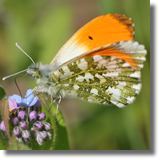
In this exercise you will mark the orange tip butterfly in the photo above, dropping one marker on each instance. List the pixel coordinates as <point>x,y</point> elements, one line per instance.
<point>100,63</point>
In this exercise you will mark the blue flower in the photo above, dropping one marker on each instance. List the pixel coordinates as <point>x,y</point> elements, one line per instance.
<point>28,101</point>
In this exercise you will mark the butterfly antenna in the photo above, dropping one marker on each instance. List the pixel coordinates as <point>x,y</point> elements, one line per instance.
<point>25,53</point>
<point>4,78</point>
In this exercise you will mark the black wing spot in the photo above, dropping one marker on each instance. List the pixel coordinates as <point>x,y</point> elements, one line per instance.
<point>90,37</point>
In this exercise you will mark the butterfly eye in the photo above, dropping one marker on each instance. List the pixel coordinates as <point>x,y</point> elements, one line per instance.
<point>36,74</point>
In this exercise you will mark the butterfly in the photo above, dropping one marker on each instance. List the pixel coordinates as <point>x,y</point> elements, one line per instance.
<point>100,63</point>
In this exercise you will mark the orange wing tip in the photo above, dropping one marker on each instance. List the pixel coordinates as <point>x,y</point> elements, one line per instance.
<point>103,30</point>
<point>125,21</point>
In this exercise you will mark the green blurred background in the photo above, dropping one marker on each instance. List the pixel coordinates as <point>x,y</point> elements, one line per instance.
<point>41,27</point>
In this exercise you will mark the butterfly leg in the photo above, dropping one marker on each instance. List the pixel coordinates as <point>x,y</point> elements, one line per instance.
<point>52,102</point>
<point>58,105</point>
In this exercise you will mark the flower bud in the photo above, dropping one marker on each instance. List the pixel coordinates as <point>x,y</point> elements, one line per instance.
<point>47,126</point>
<point>17,131</point>
<point>26,135</point>
<point>39,139</point>
<point>41,116</point>
<point>22,115</point>
<point>19,139</point>
<point>33,116</point>
<point>49,135</point>
<point>23,124</point>
<point>43,134</point>
<point>2,126</point>
<point>15,121</point>
<point>38,125</point>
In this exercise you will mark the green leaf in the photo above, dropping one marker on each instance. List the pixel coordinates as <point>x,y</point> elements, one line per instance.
<point>4,108</point>
<point>52,108</point>
<point>2,93</point>
<point>60,119</point>
<point>62,142</point>
<point>15,145</point>
<point>60,137</point>
<point>3,139</point>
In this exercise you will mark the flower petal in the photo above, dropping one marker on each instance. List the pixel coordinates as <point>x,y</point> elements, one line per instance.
<point>27,101</point>
<point>35,102</point>
<point>12,105</point>
<point>23,104</point>
<point>18,98</point>
<point>29,97</point>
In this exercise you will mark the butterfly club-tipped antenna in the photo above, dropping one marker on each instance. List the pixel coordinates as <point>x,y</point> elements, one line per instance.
<point>25,53</point>
<point>4,78</point>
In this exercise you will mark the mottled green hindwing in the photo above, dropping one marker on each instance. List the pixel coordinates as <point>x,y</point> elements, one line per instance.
<point>103,79</point>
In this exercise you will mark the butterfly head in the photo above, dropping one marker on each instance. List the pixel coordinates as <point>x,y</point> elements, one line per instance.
<point>39,71</point>
<point>33,71</point>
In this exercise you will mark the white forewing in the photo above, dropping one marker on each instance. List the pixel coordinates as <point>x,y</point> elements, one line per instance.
<point>69,51</point>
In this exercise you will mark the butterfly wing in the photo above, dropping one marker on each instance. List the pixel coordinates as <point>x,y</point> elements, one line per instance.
<point>106,75</point>
<point>103,30</point>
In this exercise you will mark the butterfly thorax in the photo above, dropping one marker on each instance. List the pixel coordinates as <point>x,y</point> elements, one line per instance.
<point>45,80</point>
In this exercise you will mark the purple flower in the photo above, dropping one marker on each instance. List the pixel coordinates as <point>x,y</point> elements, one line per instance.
<point>19,139</point>
<point>43,134</point>
<point>47,126</point>
<point>28,101</point>
<point>17,131</point>
<point>22,115</point>
<point>38,125</point>
<point>27,123</point>
<point>33,116</point>
<point>41,116</point>
<point>14,120</point>
<point>23,124</point>
<point>26,135</point>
